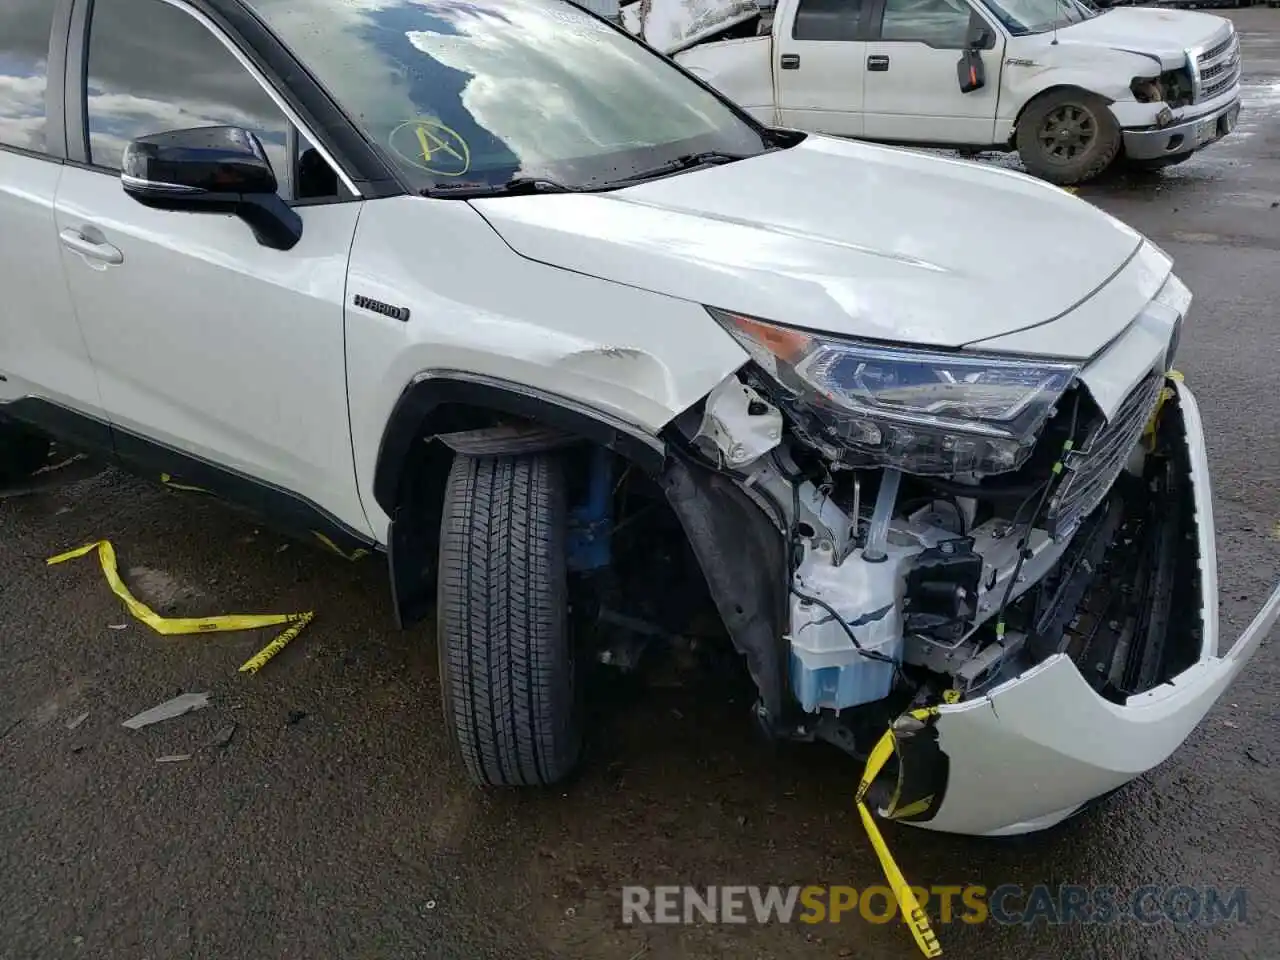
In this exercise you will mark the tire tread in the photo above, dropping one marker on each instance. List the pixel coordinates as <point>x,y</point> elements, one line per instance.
<point>506,663</point>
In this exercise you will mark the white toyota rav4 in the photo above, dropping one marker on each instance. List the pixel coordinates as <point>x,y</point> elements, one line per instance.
<point>492,286</point>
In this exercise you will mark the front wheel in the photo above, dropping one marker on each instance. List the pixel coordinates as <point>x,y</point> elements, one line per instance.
<point>506,661</point>
<point>1067,137</point>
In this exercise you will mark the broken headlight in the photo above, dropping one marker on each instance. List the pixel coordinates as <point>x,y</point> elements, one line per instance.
<point>922,411</point>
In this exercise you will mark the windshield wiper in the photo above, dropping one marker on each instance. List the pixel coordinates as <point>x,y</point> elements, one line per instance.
<point>684,162</point>
<point>516,186</point>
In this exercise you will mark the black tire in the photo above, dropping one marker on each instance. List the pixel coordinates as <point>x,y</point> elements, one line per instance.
<point>506,659</point>
<point>22,453</point>
<point>1067,137</point>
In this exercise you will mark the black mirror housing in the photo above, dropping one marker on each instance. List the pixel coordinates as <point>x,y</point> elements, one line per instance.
<point>970,71</point>
<point>211,170</point>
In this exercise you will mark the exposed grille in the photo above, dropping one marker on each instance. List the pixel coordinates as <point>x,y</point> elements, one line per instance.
<point>1218,49</point>
<point>1091,470</point>
<point>1219,67</point>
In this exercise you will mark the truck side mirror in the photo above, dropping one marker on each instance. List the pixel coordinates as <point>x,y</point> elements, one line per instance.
<point>970,70</point>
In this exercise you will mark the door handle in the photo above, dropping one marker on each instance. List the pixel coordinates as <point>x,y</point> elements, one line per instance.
<point>791,61</point>
<point>877,64</point>
<point>90,247</point>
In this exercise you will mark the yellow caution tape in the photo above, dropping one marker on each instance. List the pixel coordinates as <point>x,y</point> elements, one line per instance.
<point>912,913</point>
<point>168,481</point>
<point>171,626</point>
<point>259,659</point>
<point>358,554</point>
<point>1166,394</point>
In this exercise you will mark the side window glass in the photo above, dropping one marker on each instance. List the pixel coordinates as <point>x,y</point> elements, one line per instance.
<point>25,26</point>
<point>154,68</point>
<point>827,20</point>
<point>940,23</point>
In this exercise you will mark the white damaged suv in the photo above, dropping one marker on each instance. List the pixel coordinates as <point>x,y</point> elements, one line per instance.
<point>492,287</point>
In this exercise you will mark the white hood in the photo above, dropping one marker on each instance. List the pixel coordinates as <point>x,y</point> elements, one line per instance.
<point>1166,34</point>
<point>846,237</point>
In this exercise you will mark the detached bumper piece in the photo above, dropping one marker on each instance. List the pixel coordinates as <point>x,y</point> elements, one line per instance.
<point>1107,701</point>
<point>1104,704</point>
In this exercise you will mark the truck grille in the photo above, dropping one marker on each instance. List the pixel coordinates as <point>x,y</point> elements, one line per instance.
<point>1219,67</point>
<point>1092,470</point>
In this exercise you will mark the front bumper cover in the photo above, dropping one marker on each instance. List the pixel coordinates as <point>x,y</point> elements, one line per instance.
<point>1039,747</point>
<point>1182,138</point>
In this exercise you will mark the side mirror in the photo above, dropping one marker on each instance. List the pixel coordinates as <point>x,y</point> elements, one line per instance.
<point>970,70</point>
<point>211,170</point>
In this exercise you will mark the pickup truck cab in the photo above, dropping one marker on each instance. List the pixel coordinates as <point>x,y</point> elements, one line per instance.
<point>1071,88</point>
<point>493,289</point>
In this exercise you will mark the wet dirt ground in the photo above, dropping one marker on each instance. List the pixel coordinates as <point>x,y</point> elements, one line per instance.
<point>336,822</point>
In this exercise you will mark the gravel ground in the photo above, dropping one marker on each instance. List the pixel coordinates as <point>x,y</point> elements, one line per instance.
<point>336,822</point>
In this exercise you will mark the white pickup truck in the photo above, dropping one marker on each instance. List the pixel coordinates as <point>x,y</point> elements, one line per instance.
<point>1071,88</point>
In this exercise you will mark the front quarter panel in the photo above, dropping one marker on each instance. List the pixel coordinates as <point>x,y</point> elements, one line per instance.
<point>478,308</point>
<point>1034,65</point>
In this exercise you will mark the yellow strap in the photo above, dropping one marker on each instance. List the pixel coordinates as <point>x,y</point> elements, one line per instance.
<point>259,659</point>
<point>912,913</point>
<point>358,554</point>
<point>172,626</point>
<point>169,482</point>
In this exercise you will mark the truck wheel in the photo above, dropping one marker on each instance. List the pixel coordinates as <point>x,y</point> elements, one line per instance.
<point>506,661</point>
<point>1067,136</point>
<point>22,453</point>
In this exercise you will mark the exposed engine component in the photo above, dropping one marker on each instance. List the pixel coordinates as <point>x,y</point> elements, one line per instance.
<point>738,423</point>
<point>893,572</point>
<point>1173,87</point>
<point>942,590</point>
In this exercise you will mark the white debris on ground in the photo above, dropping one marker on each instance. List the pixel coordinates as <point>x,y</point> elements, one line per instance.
<point>674,25</point>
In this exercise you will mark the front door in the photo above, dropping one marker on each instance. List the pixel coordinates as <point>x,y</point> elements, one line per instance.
<point>818,67</point>
<point>911,92</point>
<point>206,343</point>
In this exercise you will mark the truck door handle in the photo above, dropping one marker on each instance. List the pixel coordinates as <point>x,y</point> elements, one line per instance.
<point>877,64</point>
<point>791,61</point>
<point>91,247</point>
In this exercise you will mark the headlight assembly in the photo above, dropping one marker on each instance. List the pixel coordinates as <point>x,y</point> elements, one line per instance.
<point>922,411</point>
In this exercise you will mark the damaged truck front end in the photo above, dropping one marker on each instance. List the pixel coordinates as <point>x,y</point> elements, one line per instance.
<point>1022,545</point>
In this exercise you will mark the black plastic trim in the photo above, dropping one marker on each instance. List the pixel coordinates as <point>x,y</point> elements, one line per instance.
<point>507,440</point>
<point>29,154</point>
<point>80,430</point>
<point>282,509</point>
<point>924,770</point>
<point>411,422</point>
<point>76,74</point>
<point>56,71</point>
<point>743,557</point>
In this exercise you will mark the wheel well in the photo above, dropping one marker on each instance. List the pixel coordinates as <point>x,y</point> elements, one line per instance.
<point>1049,91</point>
<point>739,554</point>
<point>413,468</point>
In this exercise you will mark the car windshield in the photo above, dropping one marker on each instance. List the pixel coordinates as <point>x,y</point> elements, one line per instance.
<point>1021,17</point>
<point>471,94</point>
